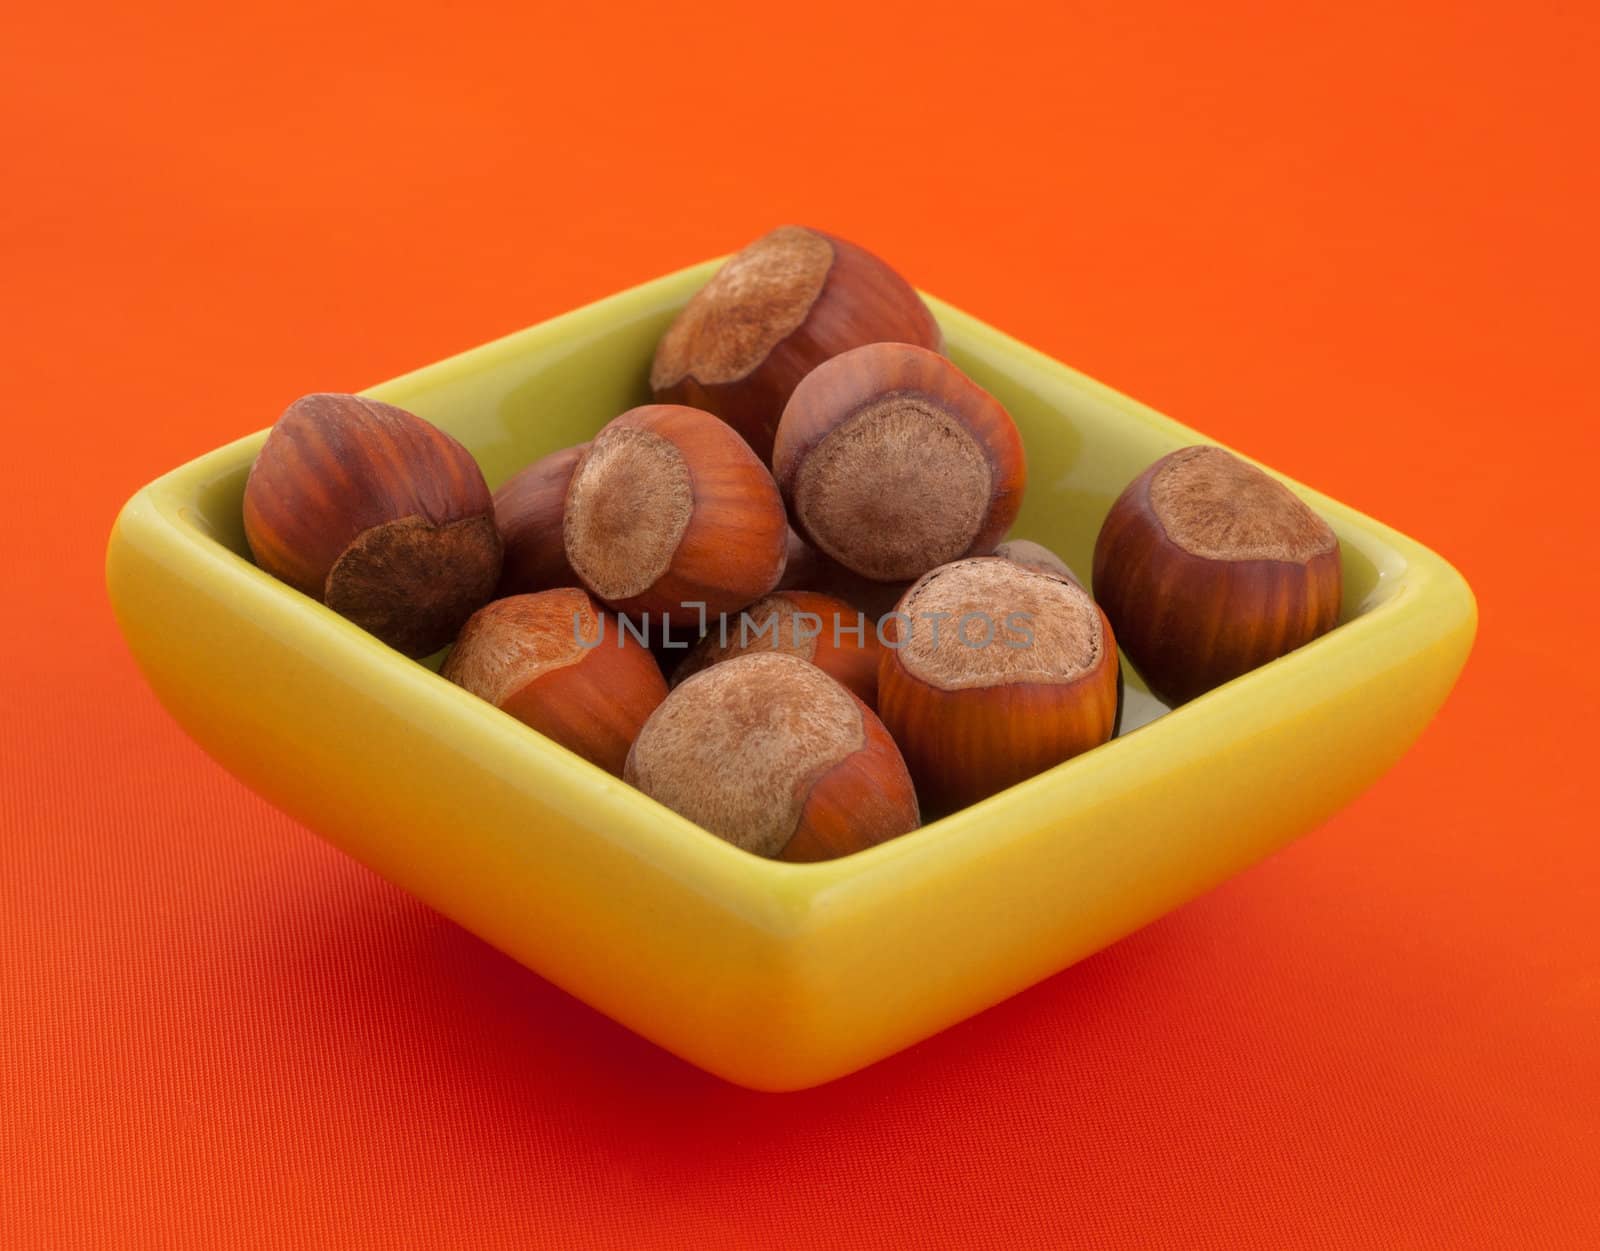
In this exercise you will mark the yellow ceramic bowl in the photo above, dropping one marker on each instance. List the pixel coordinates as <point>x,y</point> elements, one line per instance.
<point>776,976</point>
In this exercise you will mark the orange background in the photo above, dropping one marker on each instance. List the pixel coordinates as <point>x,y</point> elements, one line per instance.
<point>1359,245</point>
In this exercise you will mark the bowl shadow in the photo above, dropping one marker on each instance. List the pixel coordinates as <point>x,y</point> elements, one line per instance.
<point>441,1018</point>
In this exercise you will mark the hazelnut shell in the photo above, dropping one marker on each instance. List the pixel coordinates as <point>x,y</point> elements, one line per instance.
<point>893,462</point>
<point>971,720</point>
<point>668,508</point>
<point>528,508</point>
<point>557,662</point>
<point>1212,571</point>
<point>774,312</point>
<point>376,513</point>
<point>771,754</point>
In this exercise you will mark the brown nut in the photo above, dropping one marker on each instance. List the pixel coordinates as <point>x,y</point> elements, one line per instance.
<point>994,672</point>
<point>771,754</point>
<point>528,509</point>
<point>669,509</point>
<point>1209,568</point>
<point>556,663</point>
<point>771,314</point>
<point>378,514</point>
<point>832,635</point>
<point>894,462</point>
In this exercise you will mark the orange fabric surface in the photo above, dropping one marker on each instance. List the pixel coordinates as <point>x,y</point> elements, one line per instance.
<point>1359,244</point>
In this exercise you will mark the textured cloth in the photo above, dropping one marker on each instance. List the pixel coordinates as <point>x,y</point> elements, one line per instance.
<point>1359,247</point>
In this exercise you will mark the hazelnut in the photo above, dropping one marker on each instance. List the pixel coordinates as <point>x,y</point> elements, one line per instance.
<point>994,672</point>
<point>771,314</point>
<point>1208,567</point>
<point>380,515</point>
<point>828,632</point>
<point>771,754</point>
<point>554,662</point>
<point>668,508</point>
<point>894,462</point>
<point>528,508</point>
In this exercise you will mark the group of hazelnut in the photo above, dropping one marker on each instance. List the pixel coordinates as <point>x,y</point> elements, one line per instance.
<point>805,531</point>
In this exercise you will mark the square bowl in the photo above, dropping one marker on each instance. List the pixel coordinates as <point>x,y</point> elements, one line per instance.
<point>774,976</point>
